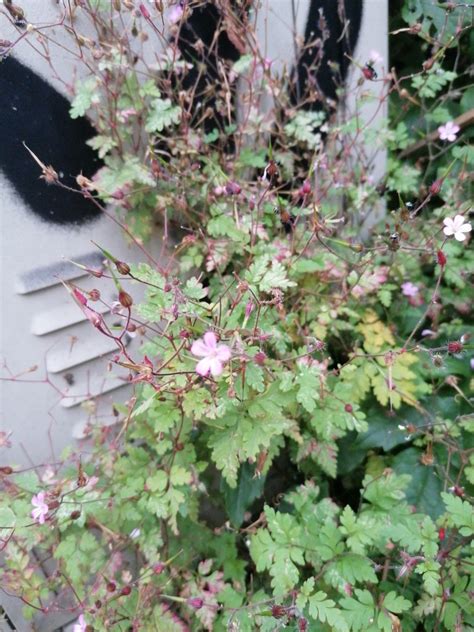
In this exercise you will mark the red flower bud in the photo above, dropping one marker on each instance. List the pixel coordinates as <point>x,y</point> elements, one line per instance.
<point>122,267</point>
<point>195,602</point>
<point>126,590</point>
<point>302,624</point>
<point>53,505</point>
<point>441,533</point>
<point>94,295</point>
<point>75,515</point>
<point>260,358</point>
<point>278,611</point>
<point>232,188</point>
<point>125,299</point>
<point>441,257</point>
<point>158,568</point>
<point>306,188</point>
<point>111,586</point>
<point>6,470</point>
<point>348,408</point>
<point>144,11</point>
<point>435,187</point>
<point>455,347</point>
<point>79,296</point>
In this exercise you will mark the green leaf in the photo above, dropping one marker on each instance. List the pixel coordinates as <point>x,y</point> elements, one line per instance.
<point>323,609</point>
<point>163,114</point>
<point>396,603</point>
<point>460,513</point>
<point>354,568</point>
<point>359,530</point>
<point>239,499</point>
<point>425,486</point>
<point>309,385</point>
<point>86,95</point>
<point>360,611</point>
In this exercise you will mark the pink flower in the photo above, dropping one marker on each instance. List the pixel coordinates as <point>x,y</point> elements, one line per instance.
<point>409,289</point>
<point>457,227</point>
<point>4,440</point>
<point>40,508</point>
<point>80,625</point>
<point>176,13</point>
<point>375,57</point>
<point>213,355</point>
<point>448,131</point>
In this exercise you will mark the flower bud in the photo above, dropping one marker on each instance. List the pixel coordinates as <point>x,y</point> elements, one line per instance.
<point>125,299</point>
<point>195,602</point>
<point>348,408</point>
<point>158,568</point>
<point>249,309</point>
<point>75,515</point>
<point>441,533</point>
<point>79,296</point>
<point>122,267</point>
<point>306,188</point>
<point>441,257</point>
<point>126,590</point>
<point>278,611</point>
<point>232,188</point>
<point>6,470</point>
<point>435,187</point>
<point>455,347</point>
<point>144,11</point>
<point>111,587</point>
<point>94,295</point>
<point>260,358</point>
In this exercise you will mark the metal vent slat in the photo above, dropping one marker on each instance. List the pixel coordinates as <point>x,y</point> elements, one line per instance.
<point>47,276</point>
<point>60,317</point>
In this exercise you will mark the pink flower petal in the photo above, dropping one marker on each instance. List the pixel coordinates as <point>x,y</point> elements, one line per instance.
<point>223,353</point>
<point>216,366</point>
<point>203,366</point>
<point>199,348</point>
<point>210,340</point>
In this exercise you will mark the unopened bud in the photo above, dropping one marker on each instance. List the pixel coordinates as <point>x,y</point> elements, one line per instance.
<point>435,187</point>
<point>455,347</point>
<point>122,267</point>
<point>94,295</point>
<point>232,188</point>
<point>126,590</point>
<point>144,11</point>
<point>79,296</point>
<point>306,188</point>
<point>260,358</point>
<point>441,257</point>
<point>249,309</point>
<point>125,299</point>
<point>75,514</point>
<point>158,568</point>
<point>195,602</point>
<point>6,470</point>
<point>111,587</point>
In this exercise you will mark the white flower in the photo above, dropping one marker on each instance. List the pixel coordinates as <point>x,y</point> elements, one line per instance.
<point>80,625</point>
<point>448,131</point>
<point>456,227</point>
<point>213,355</point>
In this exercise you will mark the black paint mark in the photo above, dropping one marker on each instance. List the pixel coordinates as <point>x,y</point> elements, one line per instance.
<point>204,43</point>
<point>34,112</point>
<point>332,31</point>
